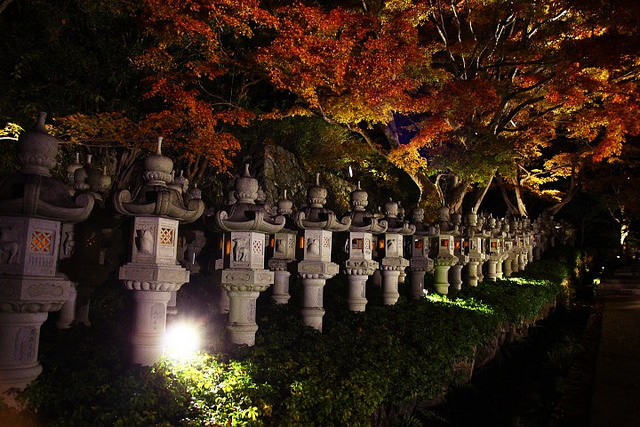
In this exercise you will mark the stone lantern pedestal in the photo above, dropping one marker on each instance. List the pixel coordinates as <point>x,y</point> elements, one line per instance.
<point>318,224</point>
<point>314,276</point>
<point>393,264</point>
<point>418,268</point>
<point>494,258</point>
<point>280,290</point>
<point>32,206</point>
<point>247,225</point>
<point>153,274</point>
<point>360,245</point>
<point>359,267</point>
<point>455,272</point>
<point>444,247</point>
<point>25,304</point>
<point>475,258</point>
<point>509,257</point>
<point>358,273</point>
<point>243,288</point>
<point>419,263</point>
<point>284,253</point>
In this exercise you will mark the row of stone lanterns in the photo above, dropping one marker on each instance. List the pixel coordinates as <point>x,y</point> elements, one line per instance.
<point>38,213</point>
<point>476,244</point>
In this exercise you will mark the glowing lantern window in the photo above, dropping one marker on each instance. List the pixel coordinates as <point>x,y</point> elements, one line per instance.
<point>41,241</point>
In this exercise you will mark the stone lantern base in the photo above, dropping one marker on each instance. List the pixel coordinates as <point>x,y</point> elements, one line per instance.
<point>492,269</point>
<point>19,339</point>
<point>358,272</point>
<point>391,269</point>
<point>455,276</point>
<point>280,290</point>
<point>472,273</point>
<point>243,289</point>
<point>442,264</point>
<point>314,275</point>
<point>152,285</point>
<point>25,302</point>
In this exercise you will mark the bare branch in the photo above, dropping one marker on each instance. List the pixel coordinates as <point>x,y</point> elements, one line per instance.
<point>4,4</point>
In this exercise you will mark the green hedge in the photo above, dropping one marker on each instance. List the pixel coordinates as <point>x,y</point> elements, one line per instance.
<point>364,368</point>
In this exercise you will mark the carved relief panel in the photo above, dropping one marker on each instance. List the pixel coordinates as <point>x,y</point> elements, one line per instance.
<point>317,245</point>
<point>247,250</point>
<point>393,245</point>
<point>29,246</point>
<point>155,240</point>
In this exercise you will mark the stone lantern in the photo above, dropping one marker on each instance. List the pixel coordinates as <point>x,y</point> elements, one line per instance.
<point>246,226</point>
<point>283,247</point>
<point>420,263</point>
<point>508,260</point>
<point>476,255</point>
<point>494,256</point>
<point>154,272</point>
<point>89,248</point>
<point>444,246</point>
<point>360,246</point>
<point>393,263</point>
<point>318,224</point>
<point>461,251</point>
<point>33,205</point>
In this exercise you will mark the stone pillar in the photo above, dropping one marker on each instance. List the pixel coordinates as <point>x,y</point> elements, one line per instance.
<point>393,264</point>
<point>152,275</point>
<point>150,321</point>
<point>455,276</point>
<point>476,257</point>
<point>315,270</point>
<point>419,264</point>
<point>441,276</point>
<point>313,301</point>
<point>19,339</point>
<point>444,246</point>
<point>390,277</point>
<point>280,289</point>
<point>360,246</point>
<point>243,289</point>
<point>492,269</point>
<point>318,224</point>
<point>67,313</point>
<point>515,262</point>
<point>480,273</point>
<point>357,299</point>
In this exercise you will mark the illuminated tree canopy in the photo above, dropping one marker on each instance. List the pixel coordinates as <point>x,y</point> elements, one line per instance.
<point>520,94</point>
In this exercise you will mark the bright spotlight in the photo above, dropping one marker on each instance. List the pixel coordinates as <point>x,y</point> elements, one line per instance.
<point>181,341</point>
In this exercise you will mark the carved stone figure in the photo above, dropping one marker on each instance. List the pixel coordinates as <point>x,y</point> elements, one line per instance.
<point>240,249</point>
<point>9,247</point>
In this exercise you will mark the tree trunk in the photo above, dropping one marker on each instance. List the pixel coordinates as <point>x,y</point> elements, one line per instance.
<point>574,185</point>
<point>522,209</point>
<point>511,207</point>
<point>480,198</point>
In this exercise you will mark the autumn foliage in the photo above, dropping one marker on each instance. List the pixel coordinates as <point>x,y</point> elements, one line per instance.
<point>455,91</point>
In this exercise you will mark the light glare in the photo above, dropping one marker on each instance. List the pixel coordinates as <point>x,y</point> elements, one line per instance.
<point>182,341</point>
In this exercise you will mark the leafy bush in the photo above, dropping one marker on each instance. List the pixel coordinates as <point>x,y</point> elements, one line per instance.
<point>379,363</point>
